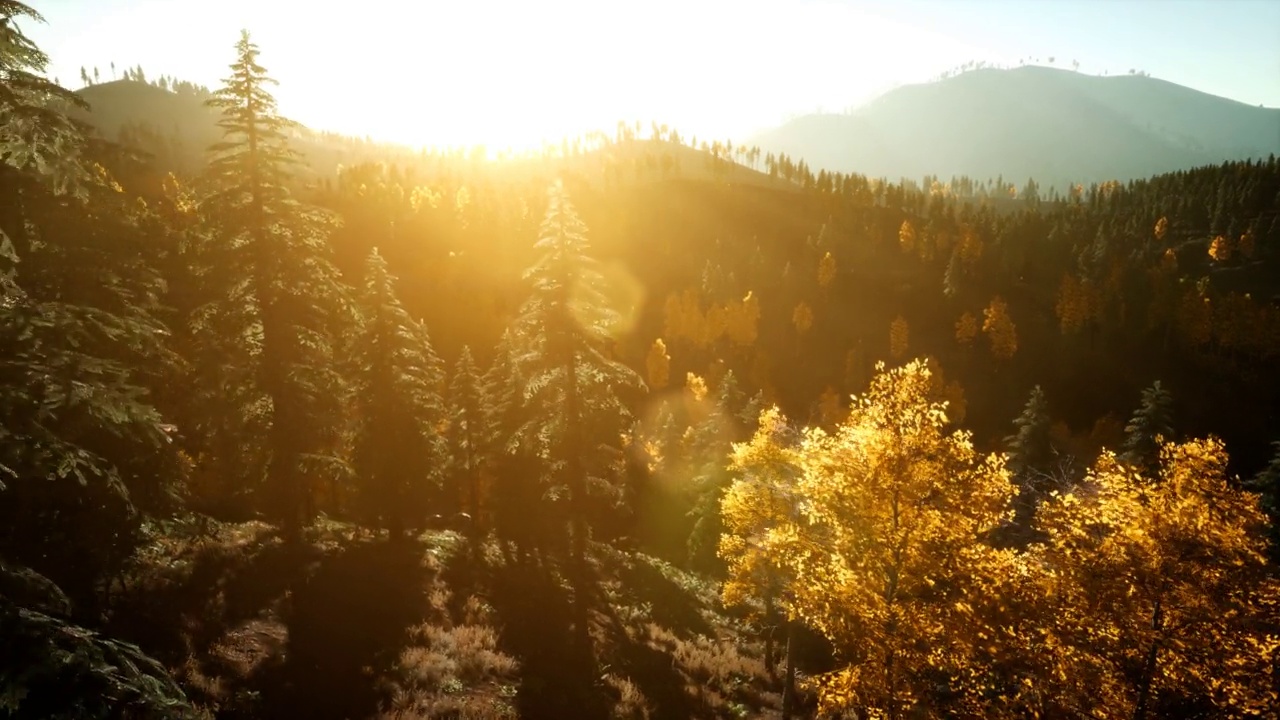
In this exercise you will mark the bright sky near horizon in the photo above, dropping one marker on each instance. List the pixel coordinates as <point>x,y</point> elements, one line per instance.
<point>515,72</point>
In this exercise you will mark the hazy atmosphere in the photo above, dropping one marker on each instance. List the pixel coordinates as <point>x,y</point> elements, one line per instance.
<point>436,72</point>
<point>640,361</point>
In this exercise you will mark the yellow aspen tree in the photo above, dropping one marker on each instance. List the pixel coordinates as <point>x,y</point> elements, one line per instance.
<point>1162,587</point>
<point>1220,249</point>
<point>717,323</point>
<point>1073,305</point>
<point>760,500</point>
<point>899,337</point>
<point>658,363</point>
<point>802,318</point>
<point>696,387</point>
<point>907,237</point>
<point>887,557</point>
<point>966,329</point>
<point>970,247</point>
<point>1000,329</point>
<point>826,271</point>
<point>1162,228</point>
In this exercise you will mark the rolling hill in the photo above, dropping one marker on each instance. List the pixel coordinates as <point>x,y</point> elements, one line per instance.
<point>1055,126</point>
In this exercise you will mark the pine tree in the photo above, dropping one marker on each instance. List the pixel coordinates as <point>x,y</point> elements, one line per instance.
<point>78,304</point>
<point>274,296</point>
<point>1267,484</point>
<point>709,443</point>
<point>1150,426</point>
<point>575,412</point>
<point>397,449</point>
<point>1030,448</point>
<point>466,434</point>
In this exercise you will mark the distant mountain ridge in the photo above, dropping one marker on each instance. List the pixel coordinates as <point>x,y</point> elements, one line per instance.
<point>1056,126</point>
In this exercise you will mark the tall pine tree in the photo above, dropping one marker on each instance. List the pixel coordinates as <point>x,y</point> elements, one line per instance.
<point>274,297</point>
<point>397,446</point>
<point>576,415</point>
<point>1150,427</point>
<point>466,435</point>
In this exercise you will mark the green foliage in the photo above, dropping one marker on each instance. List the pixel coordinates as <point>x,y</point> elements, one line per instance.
<point>1150,427</point>
<point>273,301</point>
<point>398,450</point>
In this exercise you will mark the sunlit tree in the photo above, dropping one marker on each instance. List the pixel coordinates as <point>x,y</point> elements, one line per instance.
<point>826,271</point>
<point>658,365</point>
<point>907,237</point>
<point>887,556</point>
<point>1150,427</point>
<point>899,337</point>
<point>466,440</point>
<point>1161,591</point>
<point>574,391</point>
<point>271,285</point>
<point>1000,329</point>
<point>802,318</point>
<point>966,329</point>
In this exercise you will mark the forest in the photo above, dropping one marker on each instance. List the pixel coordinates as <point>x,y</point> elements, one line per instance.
<point>633,427</point>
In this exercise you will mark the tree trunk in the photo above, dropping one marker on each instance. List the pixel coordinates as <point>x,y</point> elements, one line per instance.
<point>789,680</point>
<point>770,622</point>
<point>1149,666</point>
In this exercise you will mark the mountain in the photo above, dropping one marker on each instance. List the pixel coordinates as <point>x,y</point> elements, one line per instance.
<point>1056,126</point>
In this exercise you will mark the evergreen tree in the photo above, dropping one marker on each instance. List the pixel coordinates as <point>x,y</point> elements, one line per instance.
<point>466,434</point>
<point>1151,422</point>
<point>509,470</point>
<point>1267,484</point>
<point>397,378</point>
<point>575,413</point>
<point>274,296</point>
<point>1030,447</point>
<point>712,442</point>
<point>77,307</point>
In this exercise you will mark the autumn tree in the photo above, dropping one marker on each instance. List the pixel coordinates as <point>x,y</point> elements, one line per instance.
<point>966,329</point>
<point>1161,588</point>
<point>887,553</point>
<point>573,390</point>
<point>658,365</point>
<point>899,335</point>
<point>802,318</point>
<point>1000,329</point>
<point>760,502</point>
<point>826,271</point>
<point>273,293</point>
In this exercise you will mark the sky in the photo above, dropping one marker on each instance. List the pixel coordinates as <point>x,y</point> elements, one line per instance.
<point>512,73</point>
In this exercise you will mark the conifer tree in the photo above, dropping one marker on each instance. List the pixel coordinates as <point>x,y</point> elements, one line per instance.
<point>274,300</point>
<point>1152,421</point>
<point>712,440</point>
<point>1267,484</point>
<point>397,378</point>
<point>78,306</point>
<point>576,414</point>
<point>1030,448</point>
<point>466,433</point>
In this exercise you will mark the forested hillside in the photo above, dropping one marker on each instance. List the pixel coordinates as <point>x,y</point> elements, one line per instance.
<point>625,429</point>
<point>1055,126</point>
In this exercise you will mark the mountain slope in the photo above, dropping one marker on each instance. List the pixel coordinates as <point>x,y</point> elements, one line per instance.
<point>1053,125</point>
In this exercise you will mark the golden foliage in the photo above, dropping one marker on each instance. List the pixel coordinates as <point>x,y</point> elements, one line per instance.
<point>907,236</point>
<point>696,386</point>
<point>1195,314</point>
<point>658,363</point>
<point>758,502</point>
<point>1162,228</point>
<point>826,271</point>
<point>899,336</point>
<point>1220,249</point>
<point>1000,329</point>
<point>802,317</point>
<point>1076,304</point>
<point>970,246</point>
<point>884,559</point>
<point>966,329</point>
<point>1160,585</point>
